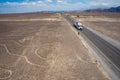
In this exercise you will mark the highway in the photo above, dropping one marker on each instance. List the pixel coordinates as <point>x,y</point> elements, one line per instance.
<point>110,51</point>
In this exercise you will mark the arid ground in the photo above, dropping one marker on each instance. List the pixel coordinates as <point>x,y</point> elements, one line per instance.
<point>39,46</point>
<point>104,22</point>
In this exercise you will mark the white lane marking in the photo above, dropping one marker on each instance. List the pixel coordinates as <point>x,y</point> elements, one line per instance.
<point>36,52</point>
<point>10,73</point>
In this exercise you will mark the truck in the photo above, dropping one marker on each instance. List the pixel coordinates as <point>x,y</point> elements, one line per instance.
<point>78,25</point>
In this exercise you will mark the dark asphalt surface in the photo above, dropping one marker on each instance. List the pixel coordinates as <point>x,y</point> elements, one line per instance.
<point>110,51</point>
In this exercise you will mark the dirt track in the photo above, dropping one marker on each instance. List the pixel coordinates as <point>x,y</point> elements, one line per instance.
<point>43,50</point>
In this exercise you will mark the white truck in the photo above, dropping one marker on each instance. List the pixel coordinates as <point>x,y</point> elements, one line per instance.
<point>78,25</point>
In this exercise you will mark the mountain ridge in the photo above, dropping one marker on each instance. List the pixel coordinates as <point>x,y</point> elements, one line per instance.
<point>112,9</point>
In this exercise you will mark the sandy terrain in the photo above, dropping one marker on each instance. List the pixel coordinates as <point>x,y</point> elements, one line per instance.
<point>43,50</point>
<point>106,23</point>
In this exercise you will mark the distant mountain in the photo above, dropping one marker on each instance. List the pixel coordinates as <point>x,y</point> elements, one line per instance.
<point>113,9</point>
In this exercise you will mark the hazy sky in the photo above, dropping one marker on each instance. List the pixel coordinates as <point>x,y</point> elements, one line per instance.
<point>13,6</point>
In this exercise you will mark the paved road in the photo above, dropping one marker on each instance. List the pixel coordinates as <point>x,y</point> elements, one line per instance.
<point>110,51</point>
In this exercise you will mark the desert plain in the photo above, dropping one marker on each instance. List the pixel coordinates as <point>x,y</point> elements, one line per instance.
<point>42,46</point>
